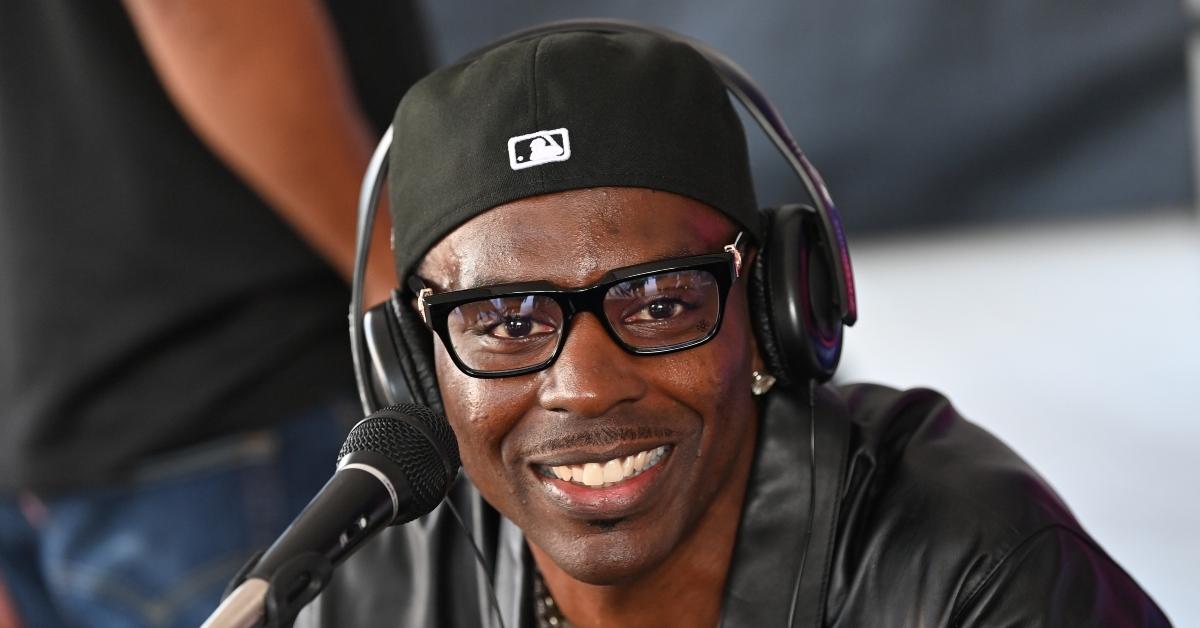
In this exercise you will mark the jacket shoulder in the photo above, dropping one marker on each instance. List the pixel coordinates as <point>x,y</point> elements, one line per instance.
<point>936,511</point>
<point>912,452</point>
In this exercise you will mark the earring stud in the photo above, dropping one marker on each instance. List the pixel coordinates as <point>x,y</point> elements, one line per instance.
<point>761,383</point>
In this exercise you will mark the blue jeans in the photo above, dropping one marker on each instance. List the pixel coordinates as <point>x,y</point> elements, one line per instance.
<point>158,550</point>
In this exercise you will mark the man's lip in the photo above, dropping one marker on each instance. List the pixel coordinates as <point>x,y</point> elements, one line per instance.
<point>609,502</point>
<point>582,456</point>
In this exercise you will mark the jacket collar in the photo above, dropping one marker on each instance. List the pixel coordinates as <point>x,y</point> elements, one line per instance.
<point>781,558</point>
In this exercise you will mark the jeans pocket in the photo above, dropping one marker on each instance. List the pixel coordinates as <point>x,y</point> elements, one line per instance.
<point>159,551</point>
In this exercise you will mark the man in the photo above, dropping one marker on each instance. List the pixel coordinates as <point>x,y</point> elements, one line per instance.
<point>176,190</point>
<point>626,460</point>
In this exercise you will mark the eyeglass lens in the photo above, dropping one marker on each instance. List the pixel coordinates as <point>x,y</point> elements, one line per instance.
<point>647,313</point>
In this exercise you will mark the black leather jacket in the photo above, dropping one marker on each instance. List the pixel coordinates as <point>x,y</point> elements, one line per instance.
<point>921,518</point>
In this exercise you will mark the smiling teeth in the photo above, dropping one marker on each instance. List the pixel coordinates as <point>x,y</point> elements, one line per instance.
<point>607,473</point>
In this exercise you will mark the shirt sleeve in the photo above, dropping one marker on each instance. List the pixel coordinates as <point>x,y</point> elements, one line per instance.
<point>1058,577</point>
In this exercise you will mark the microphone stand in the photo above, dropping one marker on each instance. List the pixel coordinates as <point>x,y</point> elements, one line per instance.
<point>275,603</point>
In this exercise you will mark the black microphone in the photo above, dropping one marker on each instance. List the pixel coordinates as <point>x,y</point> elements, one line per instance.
<point>396,465</point>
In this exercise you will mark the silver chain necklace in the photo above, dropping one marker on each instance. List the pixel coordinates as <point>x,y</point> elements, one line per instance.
<point>549,615</point>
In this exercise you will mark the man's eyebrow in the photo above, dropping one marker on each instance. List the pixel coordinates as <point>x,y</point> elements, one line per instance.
<point>683,251</point>
<point>478,281</point>
<point>487,278</point>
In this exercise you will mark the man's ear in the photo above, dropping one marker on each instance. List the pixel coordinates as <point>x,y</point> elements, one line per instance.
<point>748,263</point>
<point>757,363</point>
<point>766,359</point>
<point>756,360</point>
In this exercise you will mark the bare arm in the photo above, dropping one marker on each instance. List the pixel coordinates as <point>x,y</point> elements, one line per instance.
<point>264,84</point>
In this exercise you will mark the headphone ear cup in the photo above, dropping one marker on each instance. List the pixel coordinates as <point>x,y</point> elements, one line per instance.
<point>799,317</point>
<point>401,358</point>
<point>416,345</point>
<point>387,384</point>
<point>760,317</point>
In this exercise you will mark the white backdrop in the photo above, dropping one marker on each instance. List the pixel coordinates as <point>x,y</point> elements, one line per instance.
<point>1079,346</point>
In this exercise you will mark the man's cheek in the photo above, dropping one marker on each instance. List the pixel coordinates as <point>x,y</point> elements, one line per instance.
<point>480,451</point>
<point>468,417</point>
<point>716,369</point>
<point>465,398</point>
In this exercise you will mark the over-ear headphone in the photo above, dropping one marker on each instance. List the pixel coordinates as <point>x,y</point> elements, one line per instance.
<point>801,287</point>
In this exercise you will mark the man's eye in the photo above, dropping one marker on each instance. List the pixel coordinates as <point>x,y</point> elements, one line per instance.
<point>518,327</point>
<point>658,310</point>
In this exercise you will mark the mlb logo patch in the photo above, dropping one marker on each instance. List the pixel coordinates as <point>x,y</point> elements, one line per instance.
<point>535,149</point>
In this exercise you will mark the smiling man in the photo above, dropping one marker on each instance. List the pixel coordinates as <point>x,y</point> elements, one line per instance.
<point>618,467</point>
<point>576,230</point>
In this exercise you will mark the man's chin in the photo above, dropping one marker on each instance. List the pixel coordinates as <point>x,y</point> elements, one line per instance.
<point>607,557</point>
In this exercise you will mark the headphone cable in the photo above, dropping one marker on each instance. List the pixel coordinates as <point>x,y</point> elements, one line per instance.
<point>482,562</point>
<point>812,495</point>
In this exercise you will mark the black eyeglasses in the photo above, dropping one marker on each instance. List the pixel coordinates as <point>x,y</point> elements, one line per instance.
<point>653,308</point>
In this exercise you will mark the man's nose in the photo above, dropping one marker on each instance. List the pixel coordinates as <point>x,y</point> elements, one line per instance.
<point>592,375</point>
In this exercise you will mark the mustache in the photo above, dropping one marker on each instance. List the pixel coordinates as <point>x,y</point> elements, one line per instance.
<point>599,438</point>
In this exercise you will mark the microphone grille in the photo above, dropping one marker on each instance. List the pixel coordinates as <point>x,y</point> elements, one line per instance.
<point>418,441</point>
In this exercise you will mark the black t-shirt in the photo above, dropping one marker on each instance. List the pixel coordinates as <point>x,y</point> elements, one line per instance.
<point>148,298</point>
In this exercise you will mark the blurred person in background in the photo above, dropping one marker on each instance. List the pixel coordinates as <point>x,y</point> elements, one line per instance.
<point>177,184</point>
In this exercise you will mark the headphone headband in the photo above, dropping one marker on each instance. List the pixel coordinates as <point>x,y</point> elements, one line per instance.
<point>368,204</point>
<point>736,81</point>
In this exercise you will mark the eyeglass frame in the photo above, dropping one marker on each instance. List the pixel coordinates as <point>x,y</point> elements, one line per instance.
<point>435,308</point>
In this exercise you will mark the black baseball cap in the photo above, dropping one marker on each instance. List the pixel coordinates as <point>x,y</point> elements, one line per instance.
<point>558,112</point>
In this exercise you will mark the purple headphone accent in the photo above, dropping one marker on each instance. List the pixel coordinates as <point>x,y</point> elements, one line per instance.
<point>825,347</point>
<point>755,101</point>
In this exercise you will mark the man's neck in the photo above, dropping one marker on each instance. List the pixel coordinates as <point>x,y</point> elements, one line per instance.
<point>686,589</point>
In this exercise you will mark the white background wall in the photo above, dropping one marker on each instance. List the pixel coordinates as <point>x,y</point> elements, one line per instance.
<point>1078,345</point>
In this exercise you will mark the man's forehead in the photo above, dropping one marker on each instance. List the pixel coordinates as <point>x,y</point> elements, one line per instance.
<point>572,238</point>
